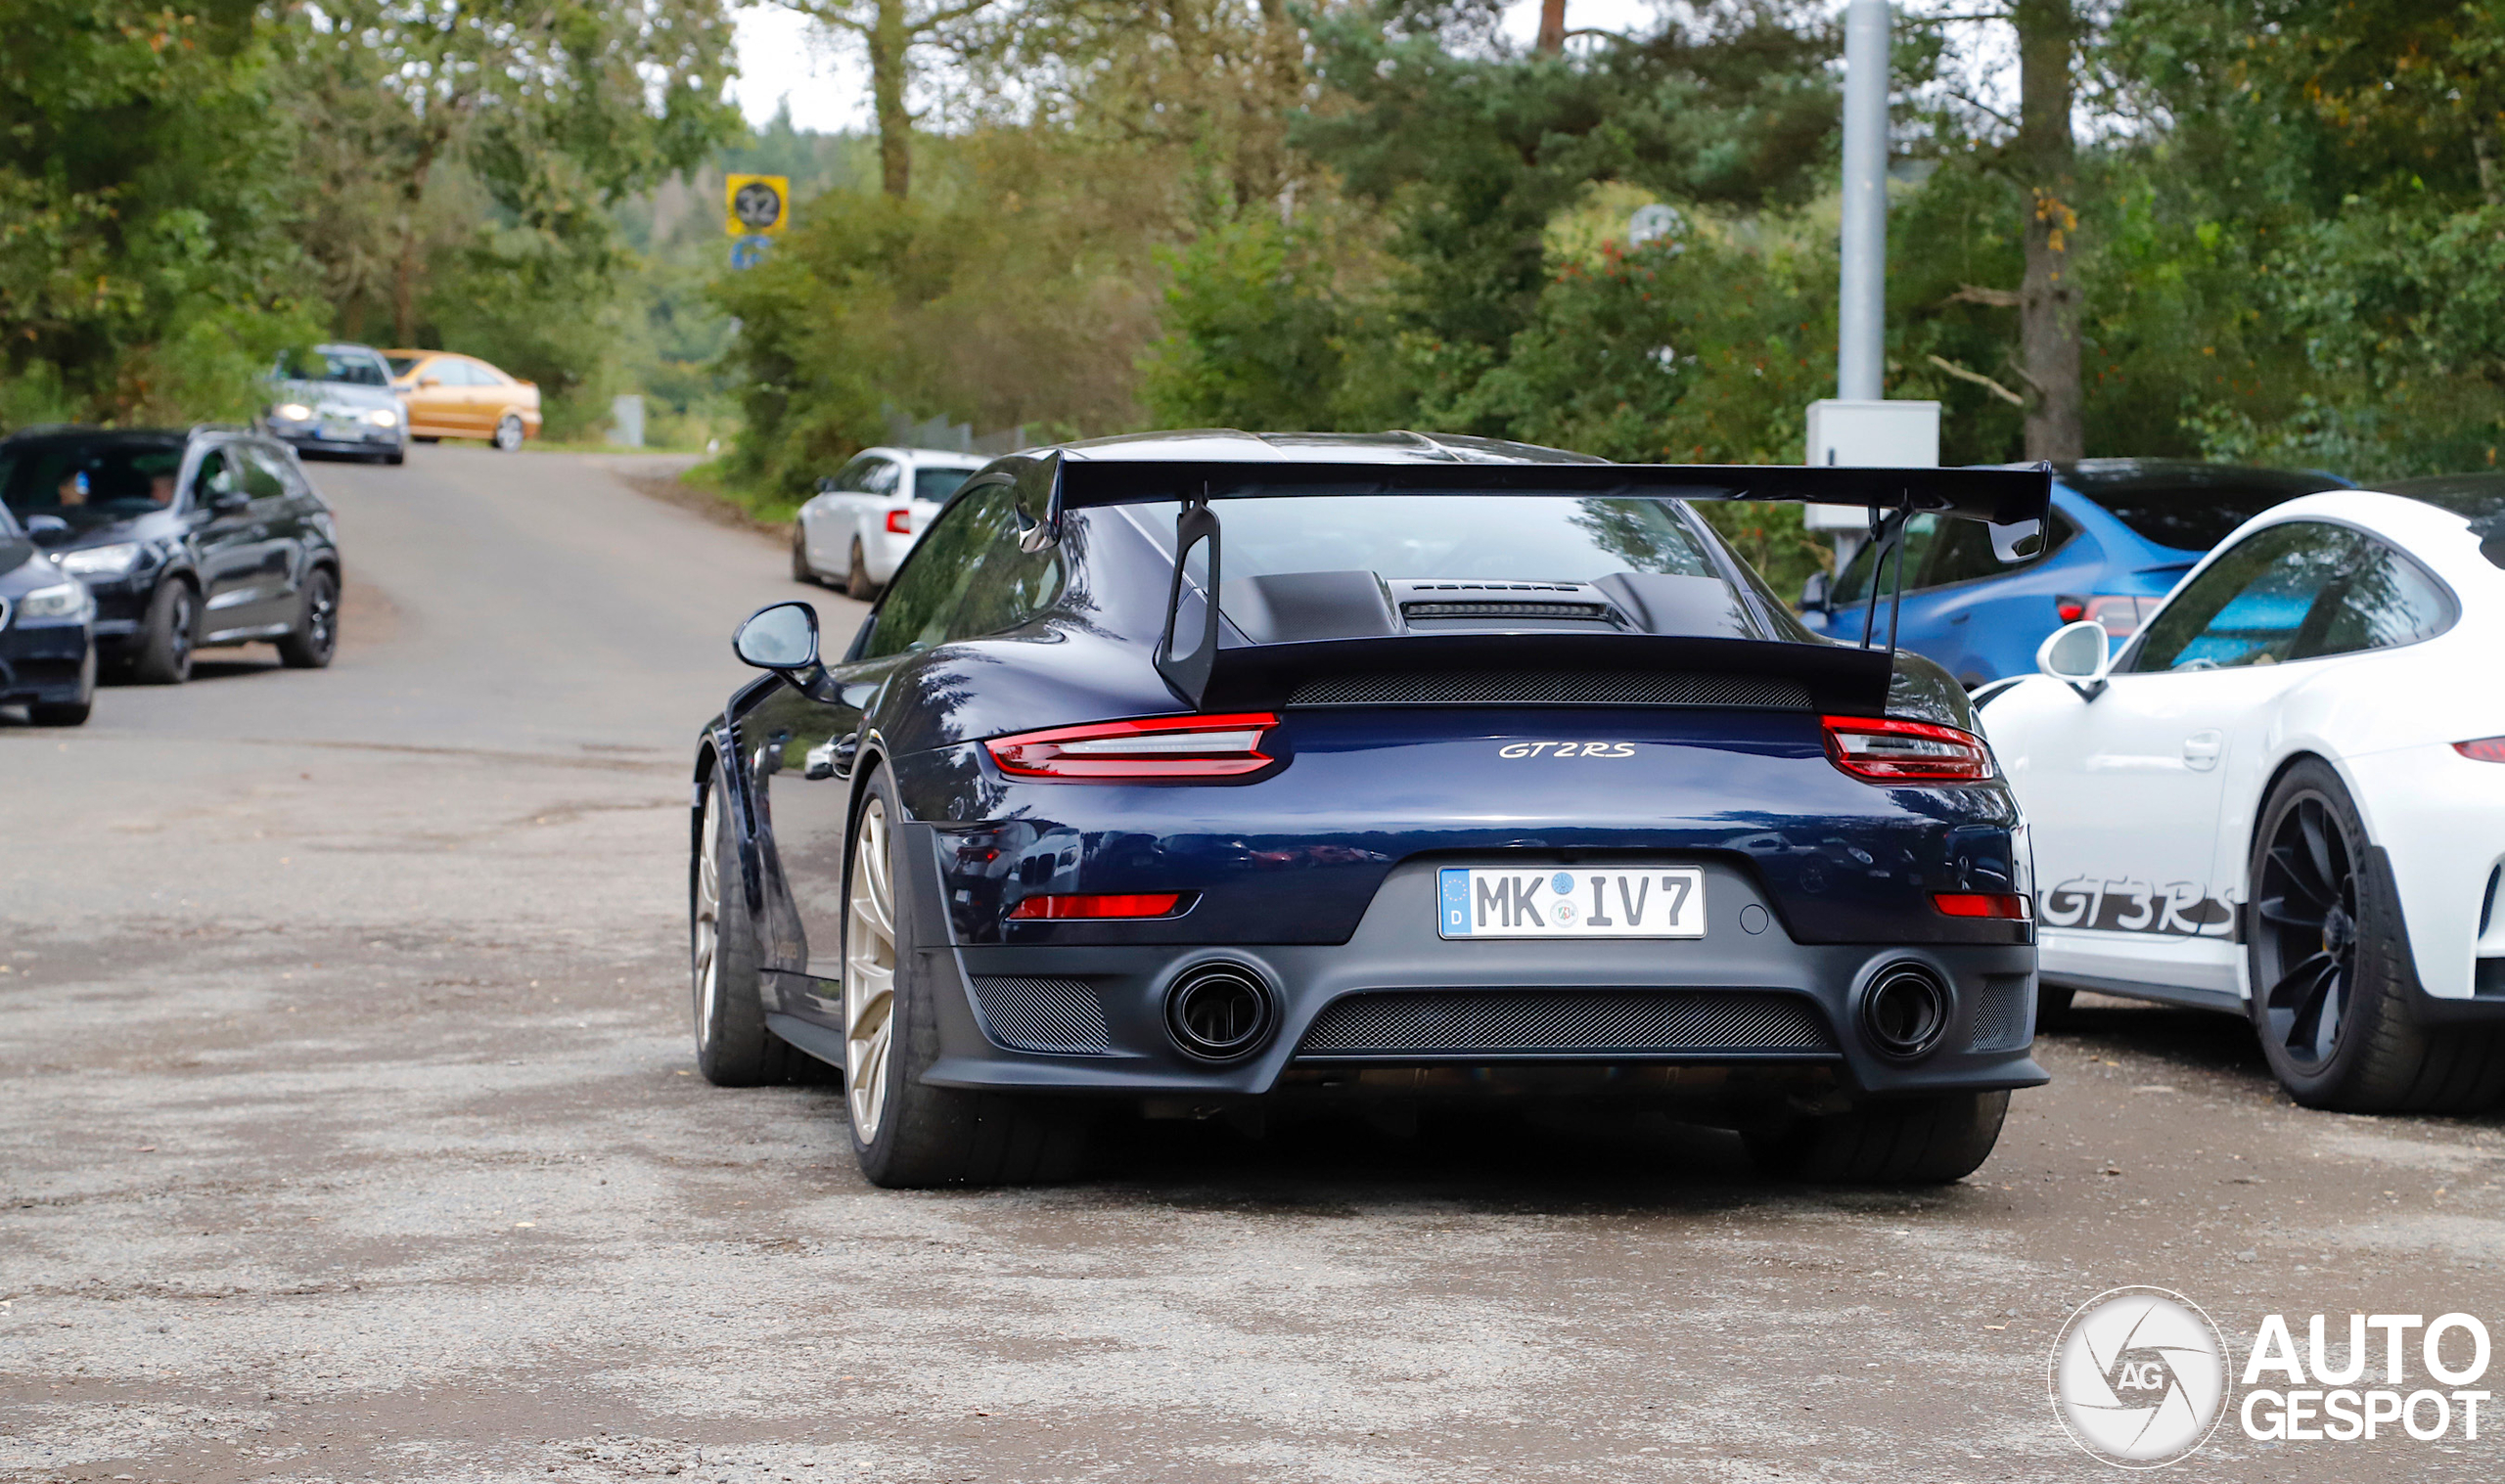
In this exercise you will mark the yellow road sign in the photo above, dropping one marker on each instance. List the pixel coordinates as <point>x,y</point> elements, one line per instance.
<point>755,204</point>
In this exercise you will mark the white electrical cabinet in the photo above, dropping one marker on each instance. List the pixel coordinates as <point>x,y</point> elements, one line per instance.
<point>1868,436</point>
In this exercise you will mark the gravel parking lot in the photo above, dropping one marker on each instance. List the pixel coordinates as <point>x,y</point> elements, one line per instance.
<point>351,1132</point>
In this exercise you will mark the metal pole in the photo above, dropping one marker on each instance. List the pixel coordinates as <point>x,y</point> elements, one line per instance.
<point>1861,340</point>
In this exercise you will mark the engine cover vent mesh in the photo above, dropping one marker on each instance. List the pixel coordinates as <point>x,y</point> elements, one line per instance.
<point>1470,1023</point>
<point>1062,1017</point>
<point>2000,1013</point>
<point>1551,688</point>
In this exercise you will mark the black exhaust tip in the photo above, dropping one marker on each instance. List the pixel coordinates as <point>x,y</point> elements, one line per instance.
<point>1905,1010</point>
<point>1221,1012</point>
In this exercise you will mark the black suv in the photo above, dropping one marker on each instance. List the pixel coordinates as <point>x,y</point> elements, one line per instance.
<point>207,537</point>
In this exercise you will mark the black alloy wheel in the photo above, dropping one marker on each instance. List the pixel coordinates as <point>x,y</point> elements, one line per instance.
<point>2306,904</point>
<point>315,638</point>
<point>2332,972</point>
<point>162,650</point>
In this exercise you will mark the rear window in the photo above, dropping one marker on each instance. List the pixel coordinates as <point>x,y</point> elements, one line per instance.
<point>90,481</point>
<point>1535,538</point>
<point>2193,508</point>
<point>937,485</point>
<point>400,363</point>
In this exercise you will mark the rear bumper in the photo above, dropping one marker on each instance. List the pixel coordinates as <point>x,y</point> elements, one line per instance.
<point>1093,1018</point>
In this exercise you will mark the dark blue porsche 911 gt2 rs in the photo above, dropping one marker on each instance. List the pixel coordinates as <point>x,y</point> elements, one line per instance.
<point>1195,769</point>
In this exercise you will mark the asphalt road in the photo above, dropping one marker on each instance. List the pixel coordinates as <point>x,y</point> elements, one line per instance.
<point>348,1131</point>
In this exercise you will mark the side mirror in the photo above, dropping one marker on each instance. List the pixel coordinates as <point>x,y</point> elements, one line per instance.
<point>782,637</point>
<point>2080,655</point>
<point>47,530</point>
<point>826,484</point>
<point>2018,540</point>
<point>1814,593</point>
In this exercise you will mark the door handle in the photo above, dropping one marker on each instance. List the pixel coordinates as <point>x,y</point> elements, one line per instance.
<point>1961,615</point>
<point>833,758</point>
<point>2202,749</point>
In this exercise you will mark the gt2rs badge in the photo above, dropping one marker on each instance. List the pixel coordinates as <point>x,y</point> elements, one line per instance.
<point>1566,749</point>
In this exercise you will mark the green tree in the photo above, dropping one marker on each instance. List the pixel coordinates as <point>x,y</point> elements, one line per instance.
<point>146,265</point>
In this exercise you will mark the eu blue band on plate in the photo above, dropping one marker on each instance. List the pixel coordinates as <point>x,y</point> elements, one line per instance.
<point>1452,888</point>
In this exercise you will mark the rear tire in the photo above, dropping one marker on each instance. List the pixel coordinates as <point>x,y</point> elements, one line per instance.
<point>2329,960</point>
<point>801,571</point>
<point>1912,1140</point>
<point>733,1047</point>
<point>918,1135</point>
<point>161,656</point>
<point>856,580</point>
<point>509,433</point>
<point>315,638</point>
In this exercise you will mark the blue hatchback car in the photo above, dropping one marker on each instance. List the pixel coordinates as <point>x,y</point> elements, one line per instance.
<point>2124,532</point>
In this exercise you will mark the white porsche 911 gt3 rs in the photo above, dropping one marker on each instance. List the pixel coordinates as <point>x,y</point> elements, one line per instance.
<point>2285,797</point>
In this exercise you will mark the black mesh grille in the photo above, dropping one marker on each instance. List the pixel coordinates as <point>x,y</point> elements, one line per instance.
<point>1476,1022</point>
<point>1551,688</point>
<point>1061,1015</point>
<point>2000,1013</point>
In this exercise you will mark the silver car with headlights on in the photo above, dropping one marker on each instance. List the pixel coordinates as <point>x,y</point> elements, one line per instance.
<point>338,399</point>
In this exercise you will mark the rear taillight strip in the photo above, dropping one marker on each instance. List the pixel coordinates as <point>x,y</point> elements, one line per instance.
<point>2486,749</point>
<point>1885,751</point>
<point>1144,749</point>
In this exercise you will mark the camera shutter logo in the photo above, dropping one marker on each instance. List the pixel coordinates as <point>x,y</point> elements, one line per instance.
<point>2139,1377</point>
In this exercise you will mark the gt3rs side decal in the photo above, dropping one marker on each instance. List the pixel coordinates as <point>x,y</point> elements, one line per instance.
<point>2180,909</point>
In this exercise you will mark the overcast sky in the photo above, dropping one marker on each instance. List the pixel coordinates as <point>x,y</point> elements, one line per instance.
<point>827,81</point>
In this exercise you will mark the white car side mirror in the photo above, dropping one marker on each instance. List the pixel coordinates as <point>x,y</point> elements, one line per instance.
<point>2079,654</point>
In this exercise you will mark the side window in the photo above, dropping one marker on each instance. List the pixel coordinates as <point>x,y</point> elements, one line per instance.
<point>213,478</point>
<point>2386,601</point>
<point>848,479</point>
<point>1011,586</point>
<point>1855,585</point>
<point>2252,604</point>
<point>1963,553</point>
<point>880,478</point>
<point>260,475</point>
<point>921,606</point>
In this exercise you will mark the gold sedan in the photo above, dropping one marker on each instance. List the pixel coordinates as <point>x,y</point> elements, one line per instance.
<point>460,396</point>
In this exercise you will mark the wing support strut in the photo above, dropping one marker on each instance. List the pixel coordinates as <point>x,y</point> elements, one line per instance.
<point>1188,673</point>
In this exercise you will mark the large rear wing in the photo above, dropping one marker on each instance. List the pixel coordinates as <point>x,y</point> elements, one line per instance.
<point>2012,502</point>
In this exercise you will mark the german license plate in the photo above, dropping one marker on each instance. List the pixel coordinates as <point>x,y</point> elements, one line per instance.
<point>1570,902</point>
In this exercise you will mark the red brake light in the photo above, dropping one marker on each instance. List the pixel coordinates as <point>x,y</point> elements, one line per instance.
<point>1884,750</point>
<point>2487,750</point>
<point>1153,747</point>
<point>900,522</point>
<point>2119,612</point>
<point>1979,904</point>
<point>1136,904</point>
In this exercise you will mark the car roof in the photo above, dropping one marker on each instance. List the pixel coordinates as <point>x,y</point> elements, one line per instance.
<point>1227,445</point>
<point>2121,477</point>
<point>2441,538</point>
<point>946,456</point>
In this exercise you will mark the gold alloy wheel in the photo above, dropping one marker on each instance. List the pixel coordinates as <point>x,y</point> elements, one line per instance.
<point>869,975</point>
<point>708,924</point>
